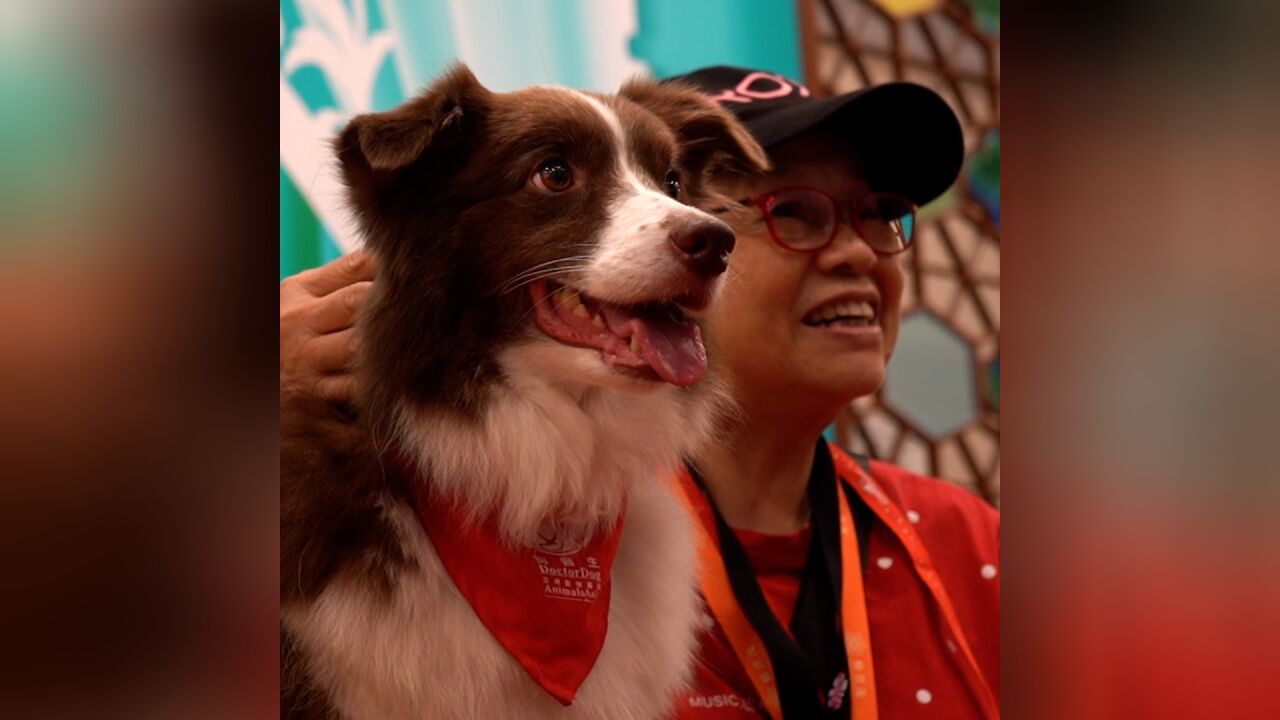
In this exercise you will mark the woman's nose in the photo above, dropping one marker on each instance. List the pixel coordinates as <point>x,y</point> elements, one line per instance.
<point>847,251</point>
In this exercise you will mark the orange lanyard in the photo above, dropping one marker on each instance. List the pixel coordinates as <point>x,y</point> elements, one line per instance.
<point>744,639</point>
<point>746,642</point>
<point>893,517</point>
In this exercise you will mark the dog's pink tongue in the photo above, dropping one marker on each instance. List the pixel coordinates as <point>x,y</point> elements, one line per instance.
<point>672,348</point>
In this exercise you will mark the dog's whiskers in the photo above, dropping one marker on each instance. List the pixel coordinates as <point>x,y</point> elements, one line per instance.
<point>553,261</point>
<point>548,273</point>
<point>559,266</point>
<point>528,277</point>
<point>534,307</point>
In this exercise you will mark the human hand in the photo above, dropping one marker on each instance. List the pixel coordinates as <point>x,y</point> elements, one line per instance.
<point>317,339</point>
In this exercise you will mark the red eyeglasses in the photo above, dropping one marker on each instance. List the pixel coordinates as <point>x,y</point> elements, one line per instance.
<point>805,219</point>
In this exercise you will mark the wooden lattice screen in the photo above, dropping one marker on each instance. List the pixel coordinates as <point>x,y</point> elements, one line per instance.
<point>939,412</point>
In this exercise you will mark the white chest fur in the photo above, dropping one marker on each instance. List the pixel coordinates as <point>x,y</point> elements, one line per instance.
<point>539,452</point>
<point>424,654</point>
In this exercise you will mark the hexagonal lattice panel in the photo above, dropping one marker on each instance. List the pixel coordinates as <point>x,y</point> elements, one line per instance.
<point>940,412</point>
<point>930,378</point>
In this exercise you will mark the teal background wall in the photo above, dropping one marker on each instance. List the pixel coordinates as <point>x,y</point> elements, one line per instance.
<point>342,57</point>
<point>676,37</point>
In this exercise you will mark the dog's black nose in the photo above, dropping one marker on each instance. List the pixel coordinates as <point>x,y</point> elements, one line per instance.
<point>704,245</point>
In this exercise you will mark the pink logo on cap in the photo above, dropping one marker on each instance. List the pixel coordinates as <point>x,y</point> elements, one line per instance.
<point>776,87</point>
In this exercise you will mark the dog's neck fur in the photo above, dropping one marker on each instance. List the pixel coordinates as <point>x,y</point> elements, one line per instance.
<point>575,449</point>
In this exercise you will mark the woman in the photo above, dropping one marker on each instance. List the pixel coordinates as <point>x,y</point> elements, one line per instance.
<point>838,588</point>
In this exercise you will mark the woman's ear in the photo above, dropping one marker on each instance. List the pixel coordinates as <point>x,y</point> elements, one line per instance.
<point>711,138</point>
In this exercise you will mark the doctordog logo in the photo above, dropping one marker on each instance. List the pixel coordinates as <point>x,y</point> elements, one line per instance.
<point>566,578</point>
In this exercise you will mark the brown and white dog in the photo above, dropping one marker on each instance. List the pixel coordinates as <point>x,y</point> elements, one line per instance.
<point>530,359</point>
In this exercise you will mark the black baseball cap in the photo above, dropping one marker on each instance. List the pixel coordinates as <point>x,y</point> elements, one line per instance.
<point>906,135</point>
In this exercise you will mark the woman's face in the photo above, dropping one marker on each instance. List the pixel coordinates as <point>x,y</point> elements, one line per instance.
<point>764,328</point>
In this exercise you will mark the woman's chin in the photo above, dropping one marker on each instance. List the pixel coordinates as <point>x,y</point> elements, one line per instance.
<point>841,382</point>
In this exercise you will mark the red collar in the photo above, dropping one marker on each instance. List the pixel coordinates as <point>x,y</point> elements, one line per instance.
<point>547,605</point>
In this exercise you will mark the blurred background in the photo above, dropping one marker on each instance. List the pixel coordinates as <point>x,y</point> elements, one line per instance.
<point>939,412</point>
<point>141,253</point>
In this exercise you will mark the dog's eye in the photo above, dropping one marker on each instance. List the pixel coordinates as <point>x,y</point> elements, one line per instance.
<point>553,175</point>
<point>673,184</point>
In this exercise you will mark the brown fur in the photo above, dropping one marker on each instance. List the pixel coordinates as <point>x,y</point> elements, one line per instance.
<point>710,139</point>
<point>446,184</point>
<point>439,186</point>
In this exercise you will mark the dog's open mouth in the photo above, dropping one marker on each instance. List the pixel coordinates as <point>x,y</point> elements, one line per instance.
<point>653,340</point>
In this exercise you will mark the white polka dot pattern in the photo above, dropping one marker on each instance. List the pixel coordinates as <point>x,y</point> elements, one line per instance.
<point>885,562</point>
<point>988,571</point>
<point>923,696</point>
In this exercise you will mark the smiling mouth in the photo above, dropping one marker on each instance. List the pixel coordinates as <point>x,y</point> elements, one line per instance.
<point>847,313</point>
<point>652,340</point>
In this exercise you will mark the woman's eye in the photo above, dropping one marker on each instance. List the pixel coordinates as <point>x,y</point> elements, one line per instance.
<point>790,211</point>
<point>673,184</point>
<point>554,176</point>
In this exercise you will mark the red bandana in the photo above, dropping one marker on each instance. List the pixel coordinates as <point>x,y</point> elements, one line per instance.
<point>547,605</point>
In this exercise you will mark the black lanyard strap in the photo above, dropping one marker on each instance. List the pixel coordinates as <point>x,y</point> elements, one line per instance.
<point>805,667</point>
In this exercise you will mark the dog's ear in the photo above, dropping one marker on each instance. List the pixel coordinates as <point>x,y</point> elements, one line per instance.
<point>384,142</point>
<point>710,137</point>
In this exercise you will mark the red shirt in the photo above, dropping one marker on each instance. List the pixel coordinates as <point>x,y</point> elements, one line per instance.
<point>779,562</point>
<point>918,669</point>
